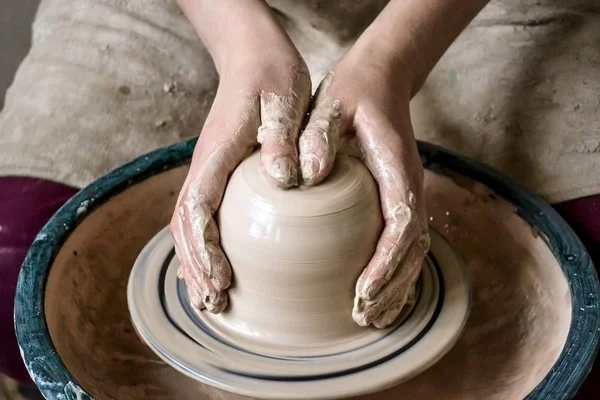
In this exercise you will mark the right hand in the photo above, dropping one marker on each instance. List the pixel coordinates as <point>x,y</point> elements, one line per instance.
<point>262,99</point>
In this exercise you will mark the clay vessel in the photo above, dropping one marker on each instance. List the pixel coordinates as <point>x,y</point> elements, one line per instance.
<point>296,256</point>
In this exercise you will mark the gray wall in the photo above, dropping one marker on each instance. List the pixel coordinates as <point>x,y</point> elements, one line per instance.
<point>16,17</point>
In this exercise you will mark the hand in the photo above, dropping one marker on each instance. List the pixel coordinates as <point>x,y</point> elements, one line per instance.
<point>262,98</point>
<point>364,105</point>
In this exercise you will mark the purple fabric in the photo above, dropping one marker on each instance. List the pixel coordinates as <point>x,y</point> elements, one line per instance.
<point>584,217</point>
<point>25,206</point>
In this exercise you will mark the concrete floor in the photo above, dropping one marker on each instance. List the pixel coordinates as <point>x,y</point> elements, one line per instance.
<point>16,17</point>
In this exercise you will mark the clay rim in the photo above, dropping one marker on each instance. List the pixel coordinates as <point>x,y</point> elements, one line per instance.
<point>54,380</point>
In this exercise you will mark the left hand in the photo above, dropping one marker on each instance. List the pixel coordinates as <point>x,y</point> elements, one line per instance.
<point>364,104</point>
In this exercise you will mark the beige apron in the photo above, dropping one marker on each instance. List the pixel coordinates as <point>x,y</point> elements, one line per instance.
<point>108,80</point>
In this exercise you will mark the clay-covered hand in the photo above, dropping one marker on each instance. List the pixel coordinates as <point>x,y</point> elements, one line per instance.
<point>366,101</point>
<point>262,99</point>
<point>363,107</point>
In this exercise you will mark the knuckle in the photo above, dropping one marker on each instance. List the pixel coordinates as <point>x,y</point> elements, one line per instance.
<point>315,135</point>
<point>277,129</point>
<point>403,220</point>
<point>385,255</point>
<point>276,123</point>
<point>281,171</point>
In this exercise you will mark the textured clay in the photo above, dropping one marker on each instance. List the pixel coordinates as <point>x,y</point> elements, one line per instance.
<point>296,256</point>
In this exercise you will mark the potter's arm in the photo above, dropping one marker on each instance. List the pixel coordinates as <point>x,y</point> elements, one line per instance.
<point>406,41</point>
<point>235,30</point>
<point>372,87</point>
<point>414,35</point>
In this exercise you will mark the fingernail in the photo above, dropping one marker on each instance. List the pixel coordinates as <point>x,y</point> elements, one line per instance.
<point>283,171</point>
<point>310,168</point>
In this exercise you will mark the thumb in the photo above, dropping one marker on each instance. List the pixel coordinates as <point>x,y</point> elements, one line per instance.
<point>281,118</point>
<point>319,141</point>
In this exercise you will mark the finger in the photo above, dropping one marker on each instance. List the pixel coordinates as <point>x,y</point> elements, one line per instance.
<point>402,228</point>
<point>214,300</point>
<point>390,315</point>
<point>319,142</point>
<point>201,291</point>
<point>366,311</point>
<point>393,161</point>
<point>281,118</point>
<point>412,295</point>
<point>183,255</point>
<point>227,138</point>
<point>195,298</point>
<point>204,295</point>
<point>205,247</point>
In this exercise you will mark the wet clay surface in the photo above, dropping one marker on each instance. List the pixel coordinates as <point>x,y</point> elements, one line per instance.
<point>293,294</point>
<point>517,327</point>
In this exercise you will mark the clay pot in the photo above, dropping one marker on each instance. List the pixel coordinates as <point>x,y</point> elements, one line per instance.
<point>296,256</point>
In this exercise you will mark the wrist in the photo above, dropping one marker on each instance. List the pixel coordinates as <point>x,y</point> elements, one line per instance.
<point>237,32</point>
<point>411,36</point>
<point>387,63</point>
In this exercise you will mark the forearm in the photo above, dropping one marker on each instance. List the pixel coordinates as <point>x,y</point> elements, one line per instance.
<point>412,35</point>
<point>235,30</point>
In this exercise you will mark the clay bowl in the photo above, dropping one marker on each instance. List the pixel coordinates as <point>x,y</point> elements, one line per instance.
<point>532,331</point>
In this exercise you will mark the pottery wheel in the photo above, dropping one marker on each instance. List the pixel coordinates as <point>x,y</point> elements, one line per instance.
<point>192,341</point>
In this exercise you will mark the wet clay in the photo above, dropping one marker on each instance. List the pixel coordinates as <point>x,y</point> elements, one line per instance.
<point>518,324</point>
<point>296,256</point>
